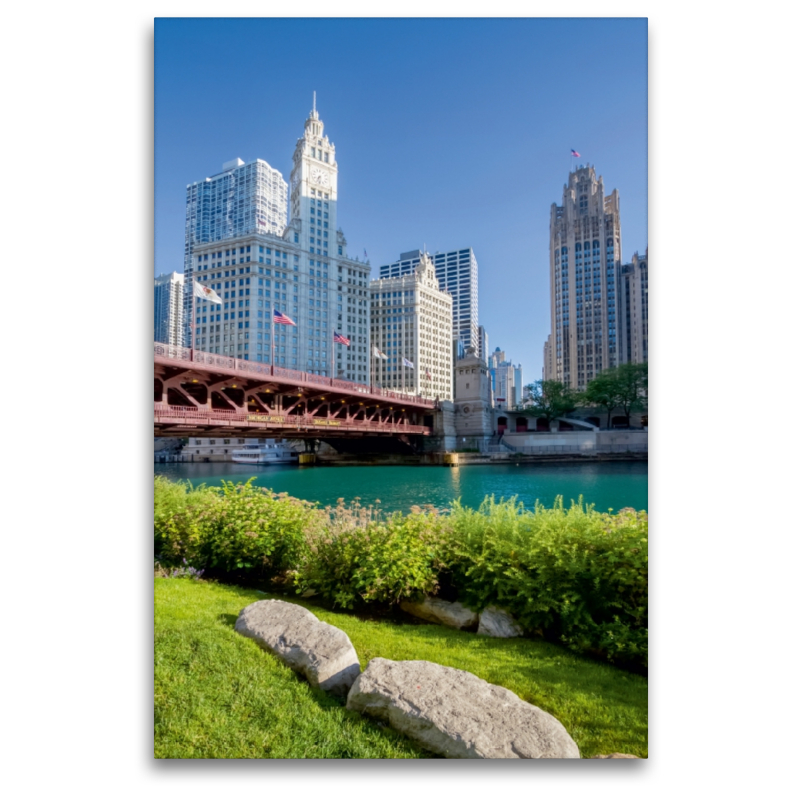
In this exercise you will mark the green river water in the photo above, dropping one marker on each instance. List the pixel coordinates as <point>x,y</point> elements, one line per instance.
<point>609,485</point>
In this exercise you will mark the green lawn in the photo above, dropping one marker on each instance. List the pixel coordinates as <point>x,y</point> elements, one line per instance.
<point>218,695</point>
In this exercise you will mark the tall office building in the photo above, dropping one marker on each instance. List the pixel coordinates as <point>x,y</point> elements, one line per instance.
<point>242,199</point>
<point>457,273</point>
<point>634,301</point>
<point>168,309</point>
<point>483,344</point>
<point>412,324</point>
<point>547,358</point>
<point>304,273</point>
<point>585,247</point>
<point>506,380</point>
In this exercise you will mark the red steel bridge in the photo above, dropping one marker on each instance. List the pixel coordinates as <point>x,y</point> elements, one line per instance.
<point>204,394</point>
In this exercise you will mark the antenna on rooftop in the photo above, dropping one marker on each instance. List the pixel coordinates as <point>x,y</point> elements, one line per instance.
<point>314,107</point>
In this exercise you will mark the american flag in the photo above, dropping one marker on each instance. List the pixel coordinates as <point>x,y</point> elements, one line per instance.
<point>281,319</point>
<point>575,153</point>
<point>428,374</point>
<point>339,339</point>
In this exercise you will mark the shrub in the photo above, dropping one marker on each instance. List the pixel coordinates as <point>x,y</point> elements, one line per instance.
<point>254,529</point>
<point>361,556</point>
<point>575,574</point>
<point>231,528</point>
<point>177,507</point>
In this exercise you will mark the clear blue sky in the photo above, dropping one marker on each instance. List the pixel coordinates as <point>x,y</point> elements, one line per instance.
<point>448,132</point>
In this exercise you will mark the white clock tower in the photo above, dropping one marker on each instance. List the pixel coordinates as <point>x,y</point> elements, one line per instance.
<point>314,187</point>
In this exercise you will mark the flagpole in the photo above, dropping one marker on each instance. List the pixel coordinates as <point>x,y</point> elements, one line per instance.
<point>272,338</point>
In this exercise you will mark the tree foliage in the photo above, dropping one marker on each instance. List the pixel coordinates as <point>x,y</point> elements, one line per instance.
<point>623,387</point>
<point>550,400</point>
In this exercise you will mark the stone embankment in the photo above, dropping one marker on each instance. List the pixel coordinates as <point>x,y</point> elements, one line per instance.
<point>448,711</point>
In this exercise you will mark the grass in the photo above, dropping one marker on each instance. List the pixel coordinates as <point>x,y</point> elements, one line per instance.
<point>218,695</point>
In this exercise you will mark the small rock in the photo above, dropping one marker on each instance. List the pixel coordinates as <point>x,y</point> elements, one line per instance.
<point>454,615</point>
<point>456,714</point>
<point>617,755</point>
<point>498,623</point>
<point>320,652</point>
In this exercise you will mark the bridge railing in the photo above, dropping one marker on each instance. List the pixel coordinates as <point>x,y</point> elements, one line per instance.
<point>164,411</point>
<point>180,353</point>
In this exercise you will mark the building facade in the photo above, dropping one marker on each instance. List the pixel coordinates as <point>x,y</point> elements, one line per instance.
<point>303,272</point>
<point>241,199</point>
<point>585,248</point>
<point>634,301</point>
<point>412,325</point>
<point>505,379</point>
<point>457,273</point>
<point>483,343</point>
<point>168,315</point>
<point>474,416</point>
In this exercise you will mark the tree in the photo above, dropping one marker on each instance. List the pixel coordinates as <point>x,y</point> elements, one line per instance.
<point>549,399</point>
<point>632,392</point>
<point>623,387</point>
<point>603,392</point>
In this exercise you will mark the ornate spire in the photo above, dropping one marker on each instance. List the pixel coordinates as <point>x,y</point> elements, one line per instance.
<point>314,114</point>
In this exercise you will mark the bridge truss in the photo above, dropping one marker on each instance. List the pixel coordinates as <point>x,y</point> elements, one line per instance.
<point>205,394</point>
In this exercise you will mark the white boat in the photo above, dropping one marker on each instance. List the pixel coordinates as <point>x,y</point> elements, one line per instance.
<point>269,452</point>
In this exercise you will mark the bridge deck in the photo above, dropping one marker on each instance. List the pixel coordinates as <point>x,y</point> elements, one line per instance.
<point>183,357</point>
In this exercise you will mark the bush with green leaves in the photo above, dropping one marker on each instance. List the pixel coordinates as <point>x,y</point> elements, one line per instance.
<point>361,556</point>
<point>575,574</point>
<point>239,527</point>
<point>178,505</point>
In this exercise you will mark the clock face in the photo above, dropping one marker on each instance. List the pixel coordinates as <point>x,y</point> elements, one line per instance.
<point>320,176</point>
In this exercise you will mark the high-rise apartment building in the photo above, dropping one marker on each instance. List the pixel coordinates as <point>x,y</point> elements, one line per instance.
<point>412,324</point>
<point>168,309</point>
<point>302,271</point>
<point>457,273</point>
<point>634,301</point>
<point>585,248</point>
<point>242,199</point>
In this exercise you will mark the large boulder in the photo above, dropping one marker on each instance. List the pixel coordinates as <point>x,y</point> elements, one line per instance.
<point>454,615</point>
<point>498,623</point>
<point>318,651</point>
<point>456,714</point>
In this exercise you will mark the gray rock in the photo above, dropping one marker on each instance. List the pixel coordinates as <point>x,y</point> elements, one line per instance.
<point>454,615</point>
<point>498,623</point>
<point>456,714</point>
<point>318,651</point>
<point>617,755</point>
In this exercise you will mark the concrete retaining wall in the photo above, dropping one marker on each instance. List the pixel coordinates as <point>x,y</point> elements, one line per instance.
<point>584,442</point>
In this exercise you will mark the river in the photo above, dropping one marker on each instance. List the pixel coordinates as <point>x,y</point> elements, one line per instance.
<point>606,484</point>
